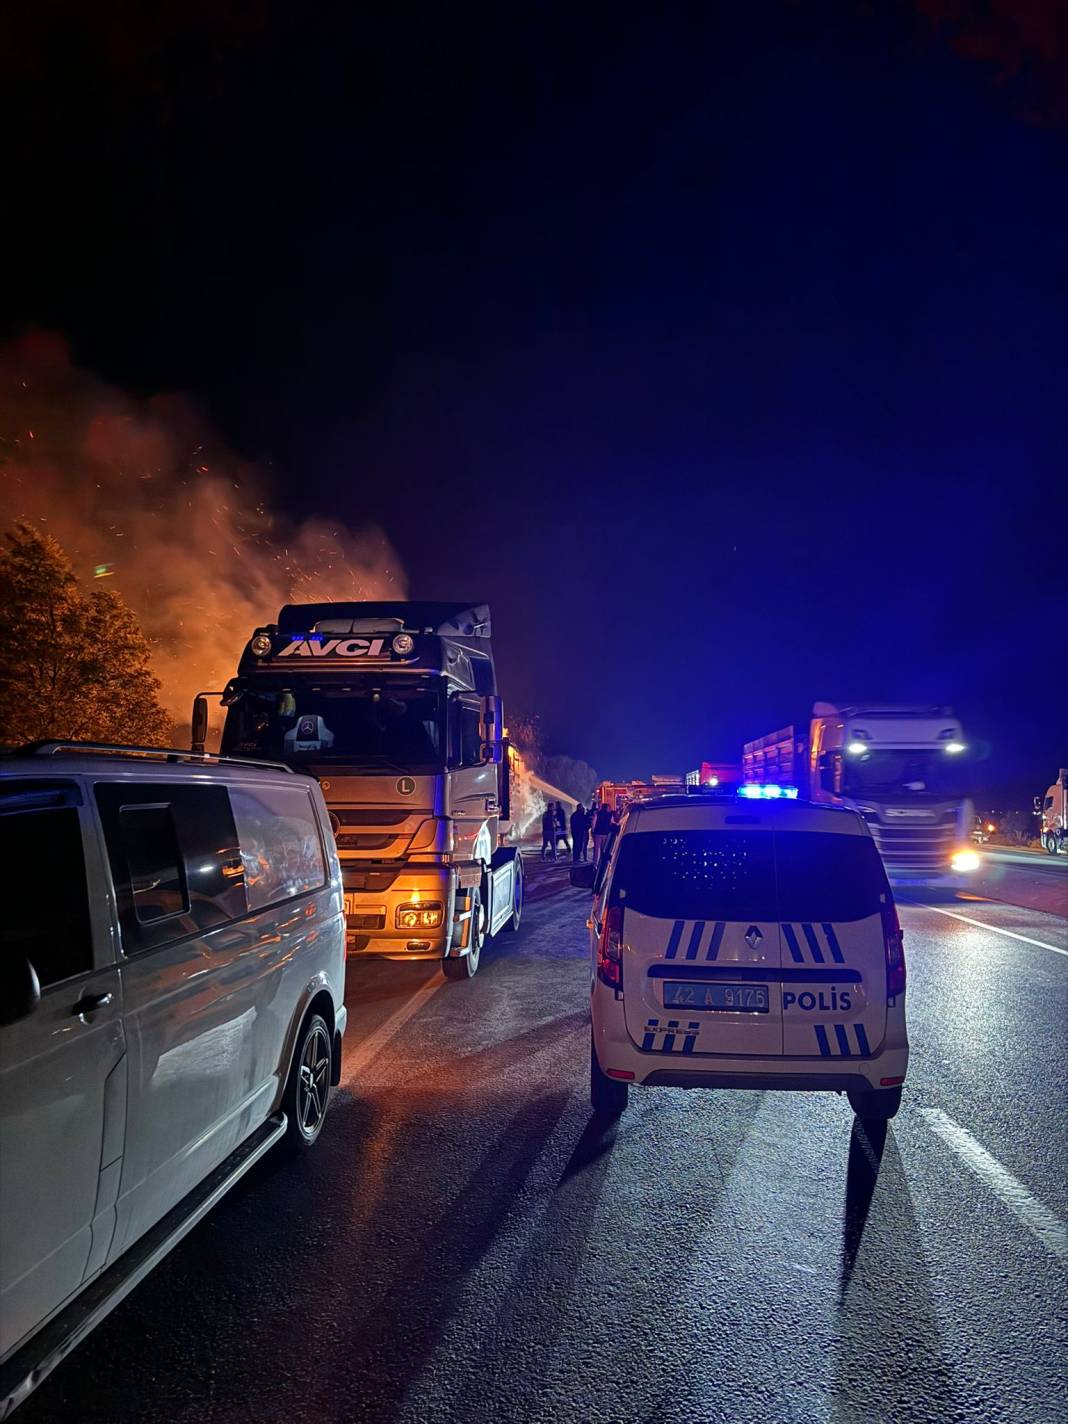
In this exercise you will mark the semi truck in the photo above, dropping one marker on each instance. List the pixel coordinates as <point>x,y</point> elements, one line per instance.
<point>394,708</point>
<point>904,768</point>
<point>1052,810</point>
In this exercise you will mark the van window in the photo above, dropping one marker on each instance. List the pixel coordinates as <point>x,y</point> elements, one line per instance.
<point>151,848</point>
<point>749,875</point>
<point>46,913</point>
<point>281,848</point>
<point>174,859</point>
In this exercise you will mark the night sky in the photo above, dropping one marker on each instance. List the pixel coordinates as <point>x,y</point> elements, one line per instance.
<point>720,348</point>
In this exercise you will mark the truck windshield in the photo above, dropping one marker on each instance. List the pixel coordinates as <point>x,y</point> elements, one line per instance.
<point>905,772</point>
<point>393,727</point>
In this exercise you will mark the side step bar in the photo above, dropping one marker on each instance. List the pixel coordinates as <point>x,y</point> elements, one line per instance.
<point>35,1360</point>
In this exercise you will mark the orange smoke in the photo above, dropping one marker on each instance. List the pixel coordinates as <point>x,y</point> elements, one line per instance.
<point>142,492</point>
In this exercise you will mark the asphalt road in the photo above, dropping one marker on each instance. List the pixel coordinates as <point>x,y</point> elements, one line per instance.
<point>465,1244</point>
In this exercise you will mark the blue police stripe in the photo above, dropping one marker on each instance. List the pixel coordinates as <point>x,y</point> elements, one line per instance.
<point>668,1045</point>
<point>821,1039</point>
<point>690,1039</point>
<point>792,944</point>
<point>813,944</point>
<point>695,939</point>
<point>716,940</point>
<point>673,942</point>
<point>843,1041</point>
<point>649,1037</point>
<point>836,948</point>
<point>862,1040</point>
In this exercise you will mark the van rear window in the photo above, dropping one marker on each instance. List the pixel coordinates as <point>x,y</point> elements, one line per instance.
<point>749,875</point>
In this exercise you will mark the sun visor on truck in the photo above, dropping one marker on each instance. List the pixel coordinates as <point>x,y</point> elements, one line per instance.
<point>447,620</point>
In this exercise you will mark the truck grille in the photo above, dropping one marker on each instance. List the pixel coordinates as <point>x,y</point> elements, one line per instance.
<point>350,842</point>
<point>374,880</point>
<point>921,847</point>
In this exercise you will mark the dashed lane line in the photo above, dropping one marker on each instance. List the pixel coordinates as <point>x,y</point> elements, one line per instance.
<point>994,929</point>
<point>1037,1217</point>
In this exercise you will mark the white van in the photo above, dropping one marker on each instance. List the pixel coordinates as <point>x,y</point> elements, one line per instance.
<point>746,942</point>
<point>172,960</point>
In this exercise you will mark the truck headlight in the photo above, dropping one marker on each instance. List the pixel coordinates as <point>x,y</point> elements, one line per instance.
<point>426,915</point>
<point>260,645</point>
<point>964,860</point>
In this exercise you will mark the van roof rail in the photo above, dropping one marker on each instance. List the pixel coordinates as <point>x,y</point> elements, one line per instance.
<point>168,754</point>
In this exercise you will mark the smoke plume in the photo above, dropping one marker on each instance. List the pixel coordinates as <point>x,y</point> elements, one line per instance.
<point>142,493</point>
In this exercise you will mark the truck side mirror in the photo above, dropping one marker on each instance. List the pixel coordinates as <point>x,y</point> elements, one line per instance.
<point>20,989</point>
<point>492,719</point>
<point>200,723</point>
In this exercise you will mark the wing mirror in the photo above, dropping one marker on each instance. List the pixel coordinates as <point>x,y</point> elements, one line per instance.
<point>583,877</point>
<point>20,989</point>
<point>200,723</point>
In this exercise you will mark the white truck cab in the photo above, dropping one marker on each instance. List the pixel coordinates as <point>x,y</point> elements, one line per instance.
<point>746,941</point>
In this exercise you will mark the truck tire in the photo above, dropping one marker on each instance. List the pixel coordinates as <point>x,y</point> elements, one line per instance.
<point>608,1096</point>
<point>877,1105</point>
<point>307,1092</point>
<point>465,966</point>
<point>1050,842</point>
<point>512,923</point>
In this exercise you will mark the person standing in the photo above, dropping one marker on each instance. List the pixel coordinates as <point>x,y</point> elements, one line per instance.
<point>580,833</point>
<point>602,829</point>
<point>561,827</point>
<point>548,834</point>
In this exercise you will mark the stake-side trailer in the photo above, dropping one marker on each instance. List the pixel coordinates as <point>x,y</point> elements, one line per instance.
<point>394,707</point>
<point>905,769</point>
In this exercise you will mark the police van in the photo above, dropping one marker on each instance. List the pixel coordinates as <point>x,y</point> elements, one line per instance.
<point>746,941</point>
<point>172,977</point>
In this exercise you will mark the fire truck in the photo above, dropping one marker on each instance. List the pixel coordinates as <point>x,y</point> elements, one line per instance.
<point>904,768</point>
<point>394,708</point>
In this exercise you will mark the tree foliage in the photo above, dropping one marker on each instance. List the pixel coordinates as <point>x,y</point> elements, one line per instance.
<point>73,665</point>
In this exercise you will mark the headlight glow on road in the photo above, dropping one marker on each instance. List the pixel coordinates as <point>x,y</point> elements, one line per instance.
<point>965,860</point>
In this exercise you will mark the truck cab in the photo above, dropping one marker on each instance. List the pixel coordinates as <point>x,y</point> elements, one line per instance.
<point>1052,810</point>
<point>394,708</point>
<point>904,768</point>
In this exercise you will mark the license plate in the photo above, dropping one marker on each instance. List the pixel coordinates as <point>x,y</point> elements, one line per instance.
<point>729,998</point>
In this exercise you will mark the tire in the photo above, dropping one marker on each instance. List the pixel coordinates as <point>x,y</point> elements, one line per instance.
<point>307,1093</point>
<point>465,966</point>
<point>878,1105</point>
<point>608,1096</point>
<point>512,924</point>
<point>1051,845</point>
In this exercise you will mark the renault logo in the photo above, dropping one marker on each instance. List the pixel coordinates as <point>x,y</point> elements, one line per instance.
<point>753,936</point>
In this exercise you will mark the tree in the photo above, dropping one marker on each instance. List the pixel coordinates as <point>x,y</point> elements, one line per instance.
<point>570,774</point>
<point>72,665</point>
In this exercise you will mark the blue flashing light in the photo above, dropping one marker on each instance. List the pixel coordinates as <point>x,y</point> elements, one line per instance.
<point>755,791</point>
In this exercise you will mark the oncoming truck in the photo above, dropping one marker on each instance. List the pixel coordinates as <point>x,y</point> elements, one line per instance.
<point>904,768</point>
<point>394,707</point>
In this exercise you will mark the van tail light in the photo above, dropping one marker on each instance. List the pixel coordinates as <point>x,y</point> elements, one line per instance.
<point>895,951</point>
<point>610,949</point>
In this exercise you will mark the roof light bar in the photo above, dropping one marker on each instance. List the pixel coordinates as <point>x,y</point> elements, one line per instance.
<point>756,791</point>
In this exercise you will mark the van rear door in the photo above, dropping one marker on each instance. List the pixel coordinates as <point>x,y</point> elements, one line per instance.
<point>832,895</point>
<point>701,946</point>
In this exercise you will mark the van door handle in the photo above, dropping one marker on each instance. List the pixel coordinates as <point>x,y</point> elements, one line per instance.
<point>89,1003</point>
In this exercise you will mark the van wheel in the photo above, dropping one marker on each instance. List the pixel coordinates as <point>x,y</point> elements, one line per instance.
<point>465,966</point>
<point>512,923</point>
<point>878,1105</point>
<point>308,1090</point>
<point>608,1096</point>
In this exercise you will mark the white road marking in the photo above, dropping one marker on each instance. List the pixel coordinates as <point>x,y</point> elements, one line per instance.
<point>372,1045</point>
<point>994,929</point>
<point>1038,1218</point>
